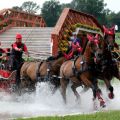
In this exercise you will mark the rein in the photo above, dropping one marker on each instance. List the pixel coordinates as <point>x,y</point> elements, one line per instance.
<point>83,66</point>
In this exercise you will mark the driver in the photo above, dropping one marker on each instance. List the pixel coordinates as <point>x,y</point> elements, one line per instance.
<point>16,59</point>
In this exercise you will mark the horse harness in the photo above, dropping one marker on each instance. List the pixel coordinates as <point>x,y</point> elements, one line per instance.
<point>38,76</point>
<point>83,67</point>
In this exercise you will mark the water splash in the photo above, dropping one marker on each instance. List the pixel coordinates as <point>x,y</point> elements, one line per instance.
<point>42,102</point>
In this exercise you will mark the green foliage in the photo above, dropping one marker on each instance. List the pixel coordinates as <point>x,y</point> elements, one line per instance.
<point>114,19</point>
<point>28,59</point>
<point>87,27</point>
<point>30,7</point>
<point>117,38</point>
<point>68,5</point>
<point>106,115</point>
<point>93,7</point>
<point>51,11</point>
<point>17,8</point>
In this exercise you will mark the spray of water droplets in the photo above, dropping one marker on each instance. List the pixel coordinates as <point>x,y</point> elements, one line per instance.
<point>42,102</point>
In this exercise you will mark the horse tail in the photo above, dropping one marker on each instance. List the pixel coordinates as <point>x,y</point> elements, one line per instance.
<point>37,71</point>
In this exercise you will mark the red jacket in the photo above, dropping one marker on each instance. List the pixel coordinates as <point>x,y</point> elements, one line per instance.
<point>14,45</point>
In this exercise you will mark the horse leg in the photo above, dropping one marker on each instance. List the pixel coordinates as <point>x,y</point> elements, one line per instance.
<point>55,82</point>
<point>95,89</point>
<point>53,87</point>
<point>97,94</point>
<point>110,88</point>
<point>64,83</point>
<point>73,87</point>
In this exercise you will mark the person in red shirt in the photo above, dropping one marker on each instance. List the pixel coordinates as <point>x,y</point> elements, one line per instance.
<point>75,48</point>
<point>16,60</point>
<point>18,48</point>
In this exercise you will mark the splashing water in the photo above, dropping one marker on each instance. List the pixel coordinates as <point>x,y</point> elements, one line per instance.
<point>42,102</point>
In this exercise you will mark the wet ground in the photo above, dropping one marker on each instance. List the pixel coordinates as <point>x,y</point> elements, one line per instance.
<point>43,103</point>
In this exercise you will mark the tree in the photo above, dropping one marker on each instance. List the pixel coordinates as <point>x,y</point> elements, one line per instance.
<point>30,7</point>
<point>68,5</point>
<point>17,8</point>
<point>51,11</point>
<point>114,19</point>
<point>93,7</point>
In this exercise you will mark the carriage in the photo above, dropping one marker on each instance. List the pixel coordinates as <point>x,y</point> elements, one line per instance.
<point>7,77</point>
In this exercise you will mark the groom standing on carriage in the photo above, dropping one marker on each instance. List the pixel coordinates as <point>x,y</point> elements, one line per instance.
<point>16,59</point>
<point>75,47</point>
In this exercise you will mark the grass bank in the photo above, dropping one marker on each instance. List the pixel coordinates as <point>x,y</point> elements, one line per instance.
<point>118,37</point>
<point>106,115</point>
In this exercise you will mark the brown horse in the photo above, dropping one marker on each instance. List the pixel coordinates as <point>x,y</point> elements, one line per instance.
<point>80,70</point>
<point>109,37</point>
<point>108,67</point>
<point>32,72</point>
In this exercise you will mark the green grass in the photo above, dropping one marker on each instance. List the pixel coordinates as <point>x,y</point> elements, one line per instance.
<point>118,37</point>
<point>106,115</point>
<point>28,59</point>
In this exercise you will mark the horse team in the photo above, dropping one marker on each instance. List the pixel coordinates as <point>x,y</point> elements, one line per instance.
<point>96,62</point>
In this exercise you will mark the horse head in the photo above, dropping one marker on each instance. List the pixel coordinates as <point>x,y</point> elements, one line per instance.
<point>95,44</point>
<point>109,36</point>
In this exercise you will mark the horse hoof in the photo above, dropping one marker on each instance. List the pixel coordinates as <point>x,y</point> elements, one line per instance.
<point>95,107</point>
<point>111,95</point>
<point>102,104</point>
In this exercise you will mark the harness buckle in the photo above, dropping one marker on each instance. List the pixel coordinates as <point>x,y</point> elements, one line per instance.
<point>81,62</point>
